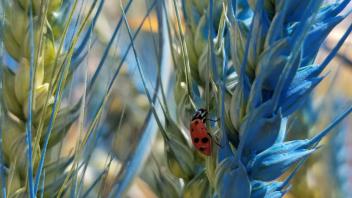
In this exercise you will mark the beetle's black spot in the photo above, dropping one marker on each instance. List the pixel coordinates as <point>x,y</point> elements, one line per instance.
<point>196,122</point>
<point>201,148</point>
<point>205,140</point>
<point>196,140</point>
<point>192,129</point>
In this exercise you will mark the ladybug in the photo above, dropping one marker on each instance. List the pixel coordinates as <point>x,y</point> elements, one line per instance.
<point>201,139</point>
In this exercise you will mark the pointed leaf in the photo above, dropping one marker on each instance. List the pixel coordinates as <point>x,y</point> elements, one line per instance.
<point>271,164</point>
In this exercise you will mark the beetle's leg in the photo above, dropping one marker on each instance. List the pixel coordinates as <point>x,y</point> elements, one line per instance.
<point>217,143</point>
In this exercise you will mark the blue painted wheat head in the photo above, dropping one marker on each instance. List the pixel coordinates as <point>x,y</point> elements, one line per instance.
<point>258,58</point>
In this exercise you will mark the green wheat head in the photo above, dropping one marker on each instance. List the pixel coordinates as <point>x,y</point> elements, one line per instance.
<point>29,36</point>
